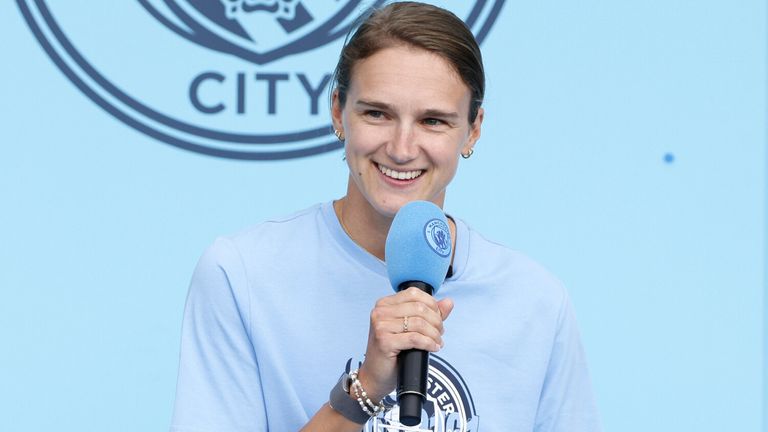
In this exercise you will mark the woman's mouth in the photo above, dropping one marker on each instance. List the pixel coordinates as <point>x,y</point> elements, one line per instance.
<point>399,175</point>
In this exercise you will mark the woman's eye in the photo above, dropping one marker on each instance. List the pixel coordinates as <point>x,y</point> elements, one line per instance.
<point>374,114</point>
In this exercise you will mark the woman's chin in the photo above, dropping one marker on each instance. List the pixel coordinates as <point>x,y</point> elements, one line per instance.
<point>390,207</point>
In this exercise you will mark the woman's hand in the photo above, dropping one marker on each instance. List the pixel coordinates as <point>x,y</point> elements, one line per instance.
<point>423,316</point>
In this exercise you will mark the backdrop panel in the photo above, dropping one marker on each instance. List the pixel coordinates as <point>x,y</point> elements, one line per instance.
<point>624,147</point>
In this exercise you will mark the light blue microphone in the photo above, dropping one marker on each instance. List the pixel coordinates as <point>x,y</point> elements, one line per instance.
<point>418,246</point>
<point>418,254</point>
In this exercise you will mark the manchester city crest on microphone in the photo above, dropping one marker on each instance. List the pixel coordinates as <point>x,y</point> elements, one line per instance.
<point>240,79</point>
<point>438,237</point>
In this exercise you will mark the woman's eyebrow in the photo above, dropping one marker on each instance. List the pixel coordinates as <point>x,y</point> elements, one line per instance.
<point>374,104</point>
<point>448,115</point>
<point>430,112</point>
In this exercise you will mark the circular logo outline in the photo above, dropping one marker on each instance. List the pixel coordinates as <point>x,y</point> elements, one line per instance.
<point>139,109</point>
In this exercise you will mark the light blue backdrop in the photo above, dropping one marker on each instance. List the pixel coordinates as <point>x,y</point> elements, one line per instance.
<point>624,147</point>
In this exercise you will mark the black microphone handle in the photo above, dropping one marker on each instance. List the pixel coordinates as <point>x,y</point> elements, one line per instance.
<point>412,370</point>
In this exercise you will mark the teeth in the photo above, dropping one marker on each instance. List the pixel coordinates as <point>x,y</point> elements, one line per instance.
<point>400,175</point>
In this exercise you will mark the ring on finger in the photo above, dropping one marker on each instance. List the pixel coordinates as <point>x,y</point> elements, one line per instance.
<point>405,324</point>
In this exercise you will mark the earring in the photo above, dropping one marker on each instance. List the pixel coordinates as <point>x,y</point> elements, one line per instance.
<point>339,134</point>
<point>468,154</point>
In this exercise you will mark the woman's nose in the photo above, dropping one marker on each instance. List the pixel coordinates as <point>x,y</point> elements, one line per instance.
<point>402,147</point>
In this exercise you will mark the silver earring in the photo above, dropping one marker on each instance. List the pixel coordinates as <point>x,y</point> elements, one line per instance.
<point>339,134</point>
<point>468,154</point>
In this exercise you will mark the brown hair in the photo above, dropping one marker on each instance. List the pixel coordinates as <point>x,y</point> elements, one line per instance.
<point>422,26</point>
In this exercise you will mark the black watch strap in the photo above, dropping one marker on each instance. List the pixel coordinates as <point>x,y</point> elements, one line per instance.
<point>343,404</point>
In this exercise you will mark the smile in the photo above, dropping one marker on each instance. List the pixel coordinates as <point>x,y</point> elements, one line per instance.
<point>399,175</point>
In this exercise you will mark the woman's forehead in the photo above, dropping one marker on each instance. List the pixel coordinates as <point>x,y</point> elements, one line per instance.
<point>408,75</point>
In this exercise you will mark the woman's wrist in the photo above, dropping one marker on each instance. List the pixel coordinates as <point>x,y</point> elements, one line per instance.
<point>376,392</point>
<point>358,392</point>
<point>341,401</point>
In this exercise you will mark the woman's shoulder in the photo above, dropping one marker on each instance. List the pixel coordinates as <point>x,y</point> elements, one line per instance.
<point>490,260</point>
<point>280,230</point>
<point>271,234</point>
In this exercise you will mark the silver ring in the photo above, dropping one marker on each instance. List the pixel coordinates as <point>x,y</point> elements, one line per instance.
<point>405,324</point>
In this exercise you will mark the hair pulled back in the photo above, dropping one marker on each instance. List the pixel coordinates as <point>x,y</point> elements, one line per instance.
<point>421,26</point>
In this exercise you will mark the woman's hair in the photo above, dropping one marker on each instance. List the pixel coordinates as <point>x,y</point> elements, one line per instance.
<point>421,26</point>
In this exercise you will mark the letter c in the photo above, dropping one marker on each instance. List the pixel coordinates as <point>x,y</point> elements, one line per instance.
<point>193,92</point>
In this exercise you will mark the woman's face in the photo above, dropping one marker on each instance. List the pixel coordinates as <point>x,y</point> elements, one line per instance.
<point>405,122</point>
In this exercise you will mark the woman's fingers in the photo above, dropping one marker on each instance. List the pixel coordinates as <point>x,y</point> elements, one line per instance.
<point>410,302</point>
<point>446,306</point>
<point>413,340</point>
<point>415,311</point>
<point>410,319</point>
<point>412,313</point>
<point>408,325</point>
<point>411,294</point>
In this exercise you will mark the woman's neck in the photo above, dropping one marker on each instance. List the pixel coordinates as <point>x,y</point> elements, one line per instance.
<point>367,227</point>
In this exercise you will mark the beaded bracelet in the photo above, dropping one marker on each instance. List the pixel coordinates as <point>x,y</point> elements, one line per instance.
<point>365,402</point>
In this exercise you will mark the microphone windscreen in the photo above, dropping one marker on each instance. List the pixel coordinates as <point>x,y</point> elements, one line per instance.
<point>418,246</point>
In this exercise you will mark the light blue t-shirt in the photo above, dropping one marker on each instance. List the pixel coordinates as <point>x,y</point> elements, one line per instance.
<point>275,314</point>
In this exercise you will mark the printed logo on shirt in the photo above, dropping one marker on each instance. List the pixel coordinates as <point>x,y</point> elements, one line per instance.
<point>241,79</point>
<point>448,408</point>
<point>438,237</point>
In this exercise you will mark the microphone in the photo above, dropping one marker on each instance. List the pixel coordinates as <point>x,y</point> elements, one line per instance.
<point>417,253</point>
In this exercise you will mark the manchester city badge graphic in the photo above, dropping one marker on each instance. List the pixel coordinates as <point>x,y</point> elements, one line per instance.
<point>449,406</point>
<point>241,79</point>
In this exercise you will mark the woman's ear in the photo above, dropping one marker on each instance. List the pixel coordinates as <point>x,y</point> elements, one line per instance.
<point>336,109</point>
<point>474,131</point>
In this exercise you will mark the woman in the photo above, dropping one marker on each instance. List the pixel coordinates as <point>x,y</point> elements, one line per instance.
<point>277,312</point>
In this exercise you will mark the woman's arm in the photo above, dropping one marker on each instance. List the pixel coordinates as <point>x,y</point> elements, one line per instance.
<point>219,385</point>
<point>386,338</point>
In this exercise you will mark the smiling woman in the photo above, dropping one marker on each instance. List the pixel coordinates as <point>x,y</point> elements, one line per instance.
<point>405,123</point>
<point>263,343</point>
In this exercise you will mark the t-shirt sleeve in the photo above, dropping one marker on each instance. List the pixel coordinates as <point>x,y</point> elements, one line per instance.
<point>218,386</point>
<point>567,403</point>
